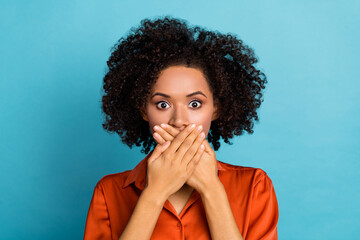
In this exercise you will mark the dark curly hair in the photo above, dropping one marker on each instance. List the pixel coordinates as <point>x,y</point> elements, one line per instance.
<point>137,60</point>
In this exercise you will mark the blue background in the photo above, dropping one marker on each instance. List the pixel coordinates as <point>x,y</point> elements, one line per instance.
<point>53,149</point>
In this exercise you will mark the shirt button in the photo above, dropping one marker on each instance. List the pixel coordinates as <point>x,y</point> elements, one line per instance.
<point>179,224</point>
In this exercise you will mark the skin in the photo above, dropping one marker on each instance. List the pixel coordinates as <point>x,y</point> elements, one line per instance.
<point>179,110</point>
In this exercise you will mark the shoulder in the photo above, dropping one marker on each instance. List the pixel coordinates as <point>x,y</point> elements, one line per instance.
<point>113,180</point>
<point>242,173</point>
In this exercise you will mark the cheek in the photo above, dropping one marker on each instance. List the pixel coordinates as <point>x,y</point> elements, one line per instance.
<point>206,126</point>
<point>155,119</point>
<point>204,120</point>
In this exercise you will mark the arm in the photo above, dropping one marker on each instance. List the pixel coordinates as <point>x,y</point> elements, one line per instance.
<point>218,213</point>
<point>264,212</point>
<point>219,216</point>
<point>144,217</point>
<point>97,221</point>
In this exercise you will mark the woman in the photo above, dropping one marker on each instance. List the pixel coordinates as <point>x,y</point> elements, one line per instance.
<point>176,89</point>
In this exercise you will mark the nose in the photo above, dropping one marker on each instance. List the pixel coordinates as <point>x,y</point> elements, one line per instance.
<point>179,118</point>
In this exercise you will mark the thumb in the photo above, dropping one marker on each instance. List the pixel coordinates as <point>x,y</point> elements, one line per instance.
<point>159,149</point>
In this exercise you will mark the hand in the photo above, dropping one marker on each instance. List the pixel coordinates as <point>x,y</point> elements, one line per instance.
<point>205,173</point>
<point>171,163</point>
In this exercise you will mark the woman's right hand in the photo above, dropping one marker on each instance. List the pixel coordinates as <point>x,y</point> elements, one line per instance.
<point>172,163</point>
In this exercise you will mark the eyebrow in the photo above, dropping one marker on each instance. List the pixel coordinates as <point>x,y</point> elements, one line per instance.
<point>189,95</point>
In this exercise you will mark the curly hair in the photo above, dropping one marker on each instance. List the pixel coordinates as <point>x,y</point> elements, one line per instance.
<point>137,60</point>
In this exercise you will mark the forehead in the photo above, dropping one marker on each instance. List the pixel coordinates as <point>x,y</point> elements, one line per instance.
<point>180,79</point>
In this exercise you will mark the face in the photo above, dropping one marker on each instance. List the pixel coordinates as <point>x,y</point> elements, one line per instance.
<point>180,96</point>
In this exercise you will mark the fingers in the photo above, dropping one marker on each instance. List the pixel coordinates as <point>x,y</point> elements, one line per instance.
<point>208,148</point>
<point>195,160</point>
<point>194,148</point>
<point>190,145</point>
<point>179,139</point>
<point>158,138</point>
<point>171,130</point>
<point>162,134</point>
<point>158,150</point>
<point>184,146</point>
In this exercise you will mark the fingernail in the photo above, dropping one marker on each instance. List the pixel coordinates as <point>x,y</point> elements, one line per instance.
<point>202,146</point>
<point>199,128</point>
<point>202,135</point>
<point>192,126</point>
<point>156,128</point>
<point>163,125</point>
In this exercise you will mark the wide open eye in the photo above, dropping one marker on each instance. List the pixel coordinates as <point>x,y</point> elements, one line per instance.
<point>162,105</point>
<point>195,104</point>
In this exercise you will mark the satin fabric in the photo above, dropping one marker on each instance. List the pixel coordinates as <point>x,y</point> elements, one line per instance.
<point>249,190</point>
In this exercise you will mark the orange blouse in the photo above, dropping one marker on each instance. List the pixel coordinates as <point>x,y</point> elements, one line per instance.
<point>249,190</point>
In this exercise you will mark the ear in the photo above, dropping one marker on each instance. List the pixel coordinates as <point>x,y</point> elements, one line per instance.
<point>216,111</point>
<point>143,114</point>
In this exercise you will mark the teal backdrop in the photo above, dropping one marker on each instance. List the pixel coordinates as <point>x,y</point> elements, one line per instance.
<point>53,149</point>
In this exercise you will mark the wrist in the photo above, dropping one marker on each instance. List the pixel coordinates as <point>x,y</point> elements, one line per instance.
<point>154,196</point>
<point>211,188</point>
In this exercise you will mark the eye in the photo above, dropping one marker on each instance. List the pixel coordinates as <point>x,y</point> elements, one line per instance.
<point>195,104</point>
<point>162,105</point>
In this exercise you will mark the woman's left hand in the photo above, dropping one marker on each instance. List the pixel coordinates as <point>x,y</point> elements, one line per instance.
<point>206,172</point>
